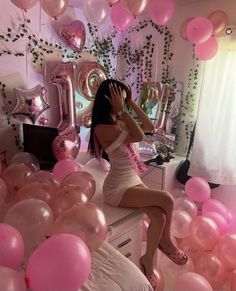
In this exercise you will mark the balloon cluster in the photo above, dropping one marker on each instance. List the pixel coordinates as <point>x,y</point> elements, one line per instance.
<point>202,31</point>
<point>48,225</point>
<point>206,230</point>
<point>121,12</point>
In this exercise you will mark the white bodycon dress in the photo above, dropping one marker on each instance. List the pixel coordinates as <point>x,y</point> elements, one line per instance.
<point>122,174</point>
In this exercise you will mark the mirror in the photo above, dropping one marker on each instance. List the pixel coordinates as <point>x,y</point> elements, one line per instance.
<point>162,104</point>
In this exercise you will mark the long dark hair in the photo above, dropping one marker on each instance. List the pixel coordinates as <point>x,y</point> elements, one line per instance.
<point>101,113</point>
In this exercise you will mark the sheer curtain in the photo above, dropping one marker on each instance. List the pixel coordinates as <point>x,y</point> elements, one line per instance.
<point>214,149</point>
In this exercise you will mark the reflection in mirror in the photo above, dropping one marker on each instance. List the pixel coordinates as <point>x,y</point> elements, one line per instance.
<point>162,104</point>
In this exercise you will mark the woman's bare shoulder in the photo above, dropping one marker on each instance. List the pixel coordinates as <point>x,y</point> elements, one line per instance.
<point>106,134</point>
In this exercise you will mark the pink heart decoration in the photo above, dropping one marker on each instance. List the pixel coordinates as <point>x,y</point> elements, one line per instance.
<point>74,35</point>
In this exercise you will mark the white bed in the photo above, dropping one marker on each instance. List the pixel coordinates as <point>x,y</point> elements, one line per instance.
<point>111,271</point>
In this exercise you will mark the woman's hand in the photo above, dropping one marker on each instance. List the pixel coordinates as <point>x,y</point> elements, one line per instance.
<point>116,98</point>
<point>128,98</point>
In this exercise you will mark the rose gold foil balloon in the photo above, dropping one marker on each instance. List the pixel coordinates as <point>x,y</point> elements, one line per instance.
<point>24,4</point>
<point>85,220</point>
<point>67,197</point>
<point>211,268</point>
<point>26,158</point>
<point>74,35</point>
<point>33,218</point>
<point>82,179</point>
<point>15,177</point>
<point>90,76</point>
<point>44,177</point>
<point>54,8</point>
<point>219,20</point>
<point>36,190</point>
<point>30,103</point>
<point>62,76</point>
<point>135,7</point>
<point>66,146</point>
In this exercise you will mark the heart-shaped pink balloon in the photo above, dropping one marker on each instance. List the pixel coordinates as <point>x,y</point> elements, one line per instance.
<point>74,35</point>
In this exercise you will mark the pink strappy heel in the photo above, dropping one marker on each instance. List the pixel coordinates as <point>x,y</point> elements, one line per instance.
<point>153,280</point>
<point>175,255</point>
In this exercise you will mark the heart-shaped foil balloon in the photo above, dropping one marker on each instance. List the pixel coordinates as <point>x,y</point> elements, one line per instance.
<point>66,146</point>
<point>74,35</point>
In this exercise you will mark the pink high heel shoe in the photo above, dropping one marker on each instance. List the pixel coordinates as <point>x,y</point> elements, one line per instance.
<point>175,255</point>
<point>153,280</point>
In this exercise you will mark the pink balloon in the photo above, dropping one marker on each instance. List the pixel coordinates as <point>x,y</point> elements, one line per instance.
<point>60,263</point>
<point>65,167</point>
<point>85,220</point>
<point>27,159</point>
<point>183,28</point>
<point>219,20</point>
<point>120,17</point>
<point>74,35</point>
<point>15,177</point>
<point>204,233</point>
<point>24,4</point>
<point>233,281</point>
<point>213,205</point>
<point>207,50</point>
<point>186,205</point>
<point>160,11</point>
<point>54,8</point>
<point>199,30</point>
<point>66,146</point>
<point>192,281</point>
<point>44,177</point>
<point>96,11</point>
<point>82,179</point>
<point>36,190</point>
<point>33,218</point>
<point>11,247</point>
<point>232,224</point>
<point>3,189</point>
<point>227,251</point>
<point>67,197</point>
<point>11,280</point>
<point>181,221</point>
<point>197,189</point>
<point>135,7</point>
<point>219,220</point>
<point>211,268</point>
<point>186,246</point>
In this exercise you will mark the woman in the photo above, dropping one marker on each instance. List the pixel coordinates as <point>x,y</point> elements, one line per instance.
<point>114,130</point>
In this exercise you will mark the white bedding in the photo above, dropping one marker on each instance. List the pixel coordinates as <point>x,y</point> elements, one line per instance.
<point>111,271</point>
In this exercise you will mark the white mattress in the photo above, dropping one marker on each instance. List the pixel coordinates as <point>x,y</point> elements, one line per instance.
<point>111,271</point>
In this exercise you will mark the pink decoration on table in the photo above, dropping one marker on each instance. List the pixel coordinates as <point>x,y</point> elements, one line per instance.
<point>192,281</point>
<point>207,50</point>
<point>62,262</point>
<point>65,167</point>
<point>11,247</point>
<point>54,8</point>
<point>120,17</point>
<point>183,28</point>
<point>25,4</point>
<point>82,179</point>
<point>204,233</point>
<point>11,280</point>
<point>160,11</point>
<point>86,221</point>
<point>74,35</point>
<point>199,30</point>
<point>96,11</point>
<point>197,189</point>
<point>219,20</point>
<point>135,7</point>
<point>211,268</point>
<point>66,146</point>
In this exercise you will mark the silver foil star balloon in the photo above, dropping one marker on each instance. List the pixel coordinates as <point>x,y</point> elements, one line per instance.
<point>30,102</point>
